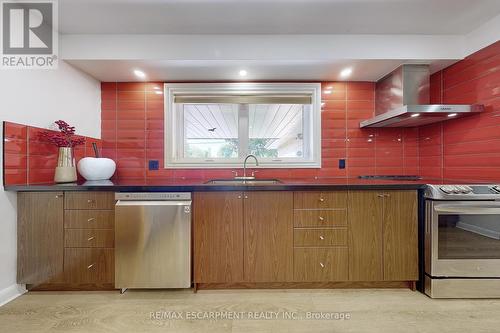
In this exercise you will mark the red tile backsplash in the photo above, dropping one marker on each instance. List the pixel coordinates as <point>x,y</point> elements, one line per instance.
<point>132,133</point>
<point>27,160</point>
<point>467,148</point>
<point>15,153</point>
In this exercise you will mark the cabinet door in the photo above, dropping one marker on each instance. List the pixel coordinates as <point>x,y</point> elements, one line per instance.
<point>365,215</point>
<point>268,236</point>
<point>218,237</point>
<point>40,237</point>
<point>400,236</point>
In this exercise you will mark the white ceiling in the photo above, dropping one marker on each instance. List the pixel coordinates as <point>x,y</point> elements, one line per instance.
<point>274,16</point>
<point>274,40</point>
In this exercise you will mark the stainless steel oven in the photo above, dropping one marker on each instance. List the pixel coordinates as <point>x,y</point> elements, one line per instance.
<point>462,241</point>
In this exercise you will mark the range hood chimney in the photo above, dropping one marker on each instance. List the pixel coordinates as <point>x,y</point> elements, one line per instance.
<point>402,100</point>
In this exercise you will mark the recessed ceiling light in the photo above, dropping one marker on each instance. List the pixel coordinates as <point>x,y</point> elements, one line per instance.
<point>415,115</point>
<point>346,72</point>
<point>452,115</point>
<point>323,103</point>
<point>329,87</point>
<point>156,88</point>
<point>139,73</point>
<point>243,72</point>
<point>158,92</point>
<point>327,92</point>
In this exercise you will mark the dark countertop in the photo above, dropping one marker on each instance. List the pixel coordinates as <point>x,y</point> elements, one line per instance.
<point>190,185</point>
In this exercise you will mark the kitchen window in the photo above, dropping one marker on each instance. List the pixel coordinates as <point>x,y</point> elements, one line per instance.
<point>217,125</point>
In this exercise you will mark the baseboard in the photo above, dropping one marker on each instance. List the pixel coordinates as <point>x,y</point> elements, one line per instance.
<point>10,293</point>
<point>308,285</point>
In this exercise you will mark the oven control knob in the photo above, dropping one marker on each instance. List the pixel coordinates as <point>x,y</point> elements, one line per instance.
<point>446,189</point>
<point>464,189</point>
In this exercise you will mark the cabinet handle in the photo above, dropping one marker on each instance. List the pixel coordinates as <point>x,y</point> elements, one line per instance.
<point>387,195</point>
<point>321,218</point>
<point>322,265</point>
<point>380,195</point>
<point>321,199</point>
<point>90,266</point>
<point>91,201</point>
<point>90,219</point>
<point>246,196</point>
<point>90,238</point>
<point>321,237</point>
<point>239,196</point>
<point>58,196</point>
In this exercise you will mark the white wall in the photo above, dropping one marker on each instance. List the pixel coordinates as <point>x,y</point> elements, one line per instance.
<point>486,34</point>
<point>39,97</point>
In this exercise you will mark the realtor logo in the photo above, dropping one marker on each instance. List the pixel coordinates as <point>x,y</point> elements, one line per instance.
<point>29,34</point>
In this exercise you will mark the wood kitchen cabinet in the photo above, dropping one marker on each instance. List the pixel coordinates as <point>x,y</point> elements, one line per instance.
<point>66,240</point>
<point>268,236</point>
<point>40,242</point>
<point>366,216</point>
<point>400,236</point>
<point>281,238</point>
<point>321,252</point>
<point>218,237</point>
<point>243,237</point>
<point>383,235</point>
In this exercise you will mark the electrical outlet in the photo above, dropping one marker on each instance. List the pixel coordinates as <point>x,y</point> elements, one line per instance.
<point>154,164</point>
<point>341,163</point>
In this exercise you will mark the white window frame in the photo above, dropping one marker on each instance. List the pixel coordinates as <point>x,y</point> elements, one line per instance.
<point>173,134</point>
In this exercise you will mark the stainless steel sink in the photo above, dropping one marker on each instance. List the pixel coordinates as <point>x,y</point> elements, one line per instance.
<point>243,182</point>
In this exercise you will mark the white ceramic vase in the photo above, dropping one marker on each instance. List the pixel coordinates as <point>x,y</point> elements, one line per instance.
<point>96,168</point>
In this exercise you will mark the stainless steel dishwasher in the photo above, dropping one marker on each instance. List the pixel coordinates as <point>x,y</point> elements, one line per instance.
<point>152,240</point>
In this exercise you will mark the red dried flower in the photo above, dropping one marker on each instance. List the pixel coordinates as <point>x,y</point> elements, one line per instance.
<point>65,137</point>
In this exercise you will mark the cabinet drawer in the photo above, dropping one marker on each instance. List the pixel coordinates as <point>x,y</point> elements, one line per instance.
<point>319,218</point>
<point>320,237</point>
<point>89,238</point>
<point>89,265</point>
<point>89,200</point>
<point>89,219</point>
<point>320,264</point>
<point>319,200</point>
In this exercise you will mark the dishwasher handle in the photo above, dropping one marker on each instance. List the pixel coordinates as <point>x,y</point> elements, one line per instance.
<point>153,203</point>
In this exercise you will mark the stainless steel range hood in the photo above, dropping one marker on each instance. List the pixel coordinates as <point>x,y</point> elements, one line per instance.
<point>402,100</point>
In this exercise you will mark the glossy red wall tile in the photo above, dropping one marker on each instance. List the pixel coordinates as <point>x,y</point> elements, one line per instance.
<point>30,160</point>
<point>468,148</point>
<point>15,153</point>
<point>133,121</point>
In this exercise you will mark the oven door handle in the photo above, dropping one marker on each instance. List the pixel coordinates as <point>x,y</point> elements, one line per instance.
<point>481,209</point>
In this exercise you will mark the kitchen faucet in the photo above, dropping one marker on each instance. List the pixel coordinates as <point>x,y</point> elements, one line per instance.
<point>245,177</point>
